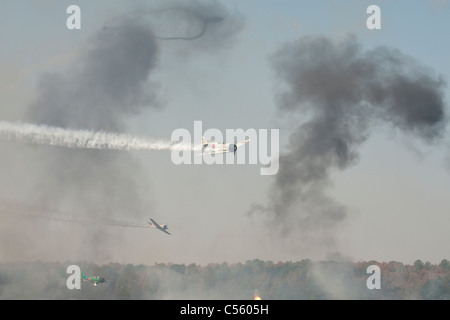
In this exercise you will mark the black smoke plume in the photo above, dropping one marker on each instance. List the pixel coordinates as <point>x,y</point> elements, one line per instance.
<point>342,91</point>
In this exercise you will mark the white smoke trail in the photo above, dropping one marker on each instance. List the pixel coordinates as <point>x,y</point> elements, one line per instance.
<point>81,139</point>
<point>84,220</point>
<point>41,213</point>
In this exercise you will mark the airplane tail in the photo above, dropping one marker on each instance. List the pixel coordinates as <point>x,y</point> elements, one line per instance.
<point>204,144</point>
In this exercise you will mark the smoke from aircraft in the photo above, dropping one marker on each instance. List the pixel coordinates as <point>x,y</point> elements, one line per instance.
<point>111,79</point>
<point>18,209</point>
<point>342,92</point>
<point>81,139</point>
<point>186,20</point>
<point>177,12</point>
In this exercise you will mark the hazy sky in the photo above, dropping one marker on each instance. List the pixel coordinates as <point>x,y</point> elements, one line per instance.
<point>394,189</point>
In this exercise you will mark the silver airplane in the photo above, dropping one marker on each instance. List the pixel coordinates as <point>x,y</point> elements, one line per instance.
<point>162,227</point>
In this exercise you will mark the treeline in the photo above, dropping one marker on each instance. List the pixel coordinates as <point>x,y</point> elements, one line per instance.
<point>282,280</point>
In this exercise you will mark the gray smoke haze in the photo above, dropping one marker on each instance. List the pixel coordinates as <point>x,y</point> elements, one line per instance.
<point>107,83</point>
<point>342,92</point>
<point>110,81</point>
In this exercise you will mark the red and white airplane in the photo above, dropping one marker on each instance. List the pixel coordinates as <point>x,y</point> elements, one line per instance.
<point>213,147</point>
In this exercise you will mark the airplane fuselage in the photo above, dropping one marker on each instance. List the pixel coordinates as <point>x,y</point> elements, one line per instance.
<point>217,147</point>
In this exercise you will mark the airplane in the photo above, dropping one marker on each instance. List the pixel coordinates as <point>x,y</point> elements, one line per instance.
<point>93,279</point>
<point>218,147</point>
<point>162,227</point>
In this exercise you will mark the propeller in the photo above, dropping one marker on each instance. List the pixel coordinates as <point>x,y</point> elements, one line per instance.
<point>232,147</point>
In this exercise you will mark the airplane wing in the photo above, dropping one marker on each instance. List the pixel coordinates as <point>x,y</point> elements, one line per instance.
<point>215,152</point>
<point>156,224</point>
<point>242,143</point>
<point>164,230</point>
